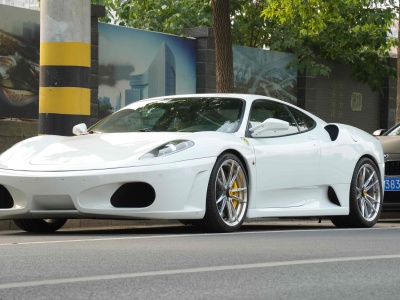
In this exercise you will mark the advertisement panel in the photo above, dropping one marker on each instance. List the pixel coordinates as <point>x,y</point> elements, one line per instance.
<point>137,64</point>
<point>19,62</point>
<point>264,72</point>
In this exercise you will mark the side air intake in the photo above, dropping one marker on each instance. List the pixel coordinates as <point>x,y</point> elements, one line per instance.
<point>333,131</point>
<point>333,197</point>
<point>6,200</point>
<point>134,195</point>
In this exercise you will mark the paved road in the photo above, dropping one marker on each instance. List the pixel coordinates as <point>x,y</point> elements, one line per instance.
<point>269,260</point>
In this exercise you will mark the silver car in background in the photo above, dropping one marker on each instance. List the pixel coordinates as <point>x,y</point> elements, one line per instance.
<point>390,140</point>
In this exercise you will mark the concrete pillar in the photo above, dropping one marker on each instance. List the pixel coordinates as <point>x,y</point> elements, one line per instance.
<point>64,92</point>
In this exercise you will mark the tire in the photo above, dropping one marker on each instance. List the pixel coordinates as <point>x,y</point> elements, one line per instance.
<point>40,225</point>
<point>226,202</point>
<point>366,197</point>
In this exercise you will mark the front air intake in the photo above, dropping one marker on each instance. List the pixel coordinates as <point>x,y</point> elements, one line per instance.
<point>6,200</point>
<point>332,196</point>
<point>134,195</point>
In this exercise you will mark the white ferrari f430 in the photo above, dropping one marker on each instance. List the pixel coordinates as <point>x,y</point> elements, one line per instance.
<point>211,160</point>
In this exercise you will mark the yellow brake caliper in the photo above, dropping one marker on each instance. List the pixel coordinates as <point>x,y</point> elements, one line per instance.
<point>236,194</point>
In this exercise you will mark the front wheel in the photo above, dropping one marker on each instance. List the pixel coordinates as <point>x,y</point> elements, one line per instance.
<point>226,202</point>
<point>40,225</point>
<point>366,197</point>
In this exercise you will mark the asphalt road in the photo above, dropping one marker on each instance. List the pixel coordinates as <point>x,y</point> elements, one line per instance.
<point>268,260</point>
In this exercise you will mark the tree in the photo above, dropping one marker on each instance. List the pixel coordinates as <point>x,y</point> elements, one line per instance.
<point>171,16</point>
<point>168,16</point>
<point>249,28</point>
<point>351,32</point>
<point>223,46</point>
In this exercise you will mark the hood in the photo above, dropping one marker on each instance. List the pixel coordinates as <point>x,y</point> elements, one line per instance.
<point>390,144</point>
<point>94,151</point>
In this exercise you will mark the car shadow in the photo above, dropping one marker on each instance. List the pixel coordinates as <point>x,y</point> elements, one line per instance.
<point>180,229</point>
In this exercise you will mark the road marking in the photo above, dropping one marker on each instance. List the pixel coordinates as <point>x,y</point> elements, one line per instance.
<point>191,271</point>
<point>188,235</point>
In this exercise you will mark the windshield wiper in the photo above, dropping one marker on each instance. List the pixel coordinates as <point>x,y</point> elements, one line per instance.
<point>144,130</point>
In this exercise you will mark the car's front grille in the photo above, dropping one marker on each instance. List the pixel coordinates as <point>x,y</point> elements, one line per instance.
<point>391,201</point>
<point>134,195</point>
<point>392,168</point>
<point>391,197</point>
<point>6,200</point>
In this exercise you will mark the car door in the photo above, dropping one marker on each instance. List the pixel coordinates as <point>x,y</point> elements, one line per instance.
<point>286,160</point>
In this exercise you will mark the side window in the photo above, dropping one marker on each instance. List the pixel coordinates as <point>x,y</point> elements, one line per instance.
<point>263,110</point>
<point>303,121</point>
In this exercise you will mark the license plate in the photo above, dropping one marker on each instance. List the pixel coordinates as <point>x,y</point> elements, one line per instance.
<point>392,184</point>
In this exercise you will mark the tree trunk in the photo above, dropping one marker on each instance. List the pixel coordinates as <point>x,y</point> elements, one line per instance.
<point>398,73</point>
<point>223,46</point>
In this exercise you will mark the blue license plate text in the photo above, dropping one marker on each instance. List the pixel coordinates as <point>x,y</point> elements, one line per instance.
<point>392,184</point>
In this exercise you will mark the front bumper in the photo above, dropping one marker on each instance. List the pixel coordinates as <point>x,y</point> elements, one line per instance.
<point>180,192</point>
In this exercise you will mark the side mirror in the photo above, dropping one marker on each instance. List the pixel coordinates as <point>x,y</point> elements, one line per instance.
<point>79,129</point>
<point>378,132</point>
<point>270,127</point>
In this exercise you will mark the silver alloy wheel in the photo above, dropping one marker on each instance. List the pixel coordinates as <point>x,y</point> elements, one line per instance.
<point>231,192</point>
<point>369,195</point>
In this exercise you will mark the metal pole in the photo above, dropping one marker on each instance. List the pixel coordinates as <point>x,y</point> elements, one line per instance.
<point>64,94</point>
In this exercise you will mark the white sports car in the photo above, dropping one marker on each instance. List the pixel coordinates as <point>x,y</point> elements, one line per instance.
<point>211,160</point>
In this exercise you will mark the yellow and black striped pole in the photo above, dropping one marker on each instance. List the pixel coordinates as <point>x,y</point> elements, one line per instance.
<point>64,93</point>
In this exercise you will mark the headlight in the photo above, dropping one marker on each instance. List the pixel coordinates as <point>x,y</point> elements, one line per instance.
<point>169,148</point>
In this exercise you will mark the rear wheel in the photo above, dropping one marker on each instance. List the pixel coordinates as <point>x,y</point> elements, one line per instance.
<point>226,203</point>
<point>366,197</point>
<point>40,225</point>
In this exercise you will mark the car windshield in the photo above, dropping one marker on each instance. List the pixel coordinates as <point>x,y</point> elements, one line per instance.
<point>183,114</point>
<point>394,131</point>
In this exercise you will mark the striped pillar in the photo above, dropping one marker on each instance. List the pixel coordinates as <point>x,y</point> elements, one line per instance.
<point>64,93</point>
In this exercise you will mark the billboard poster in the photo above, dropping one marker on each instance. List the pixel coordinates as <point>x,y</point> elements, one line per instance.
<point>264,72</point>
<point>136,64</point>
<point>19,62</point>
